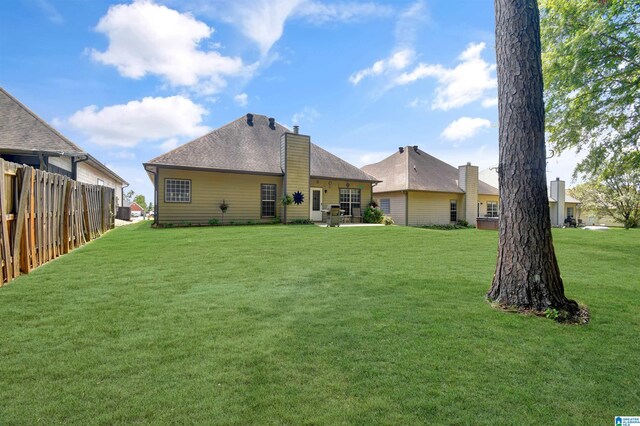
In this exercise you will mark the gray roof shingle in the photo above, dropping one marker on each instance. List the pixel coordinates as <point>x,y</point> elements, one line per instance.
<point>21,129</point>
<point>415,170</point>
<point>252,148</point>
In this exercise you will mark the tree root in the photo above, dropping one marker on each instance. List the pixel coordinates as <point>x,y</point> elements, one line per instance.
<point>575,314</point>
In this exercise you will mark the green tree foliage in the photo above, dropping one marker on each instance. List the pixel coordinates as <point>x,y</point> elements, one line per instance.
<point>139,199</point>
<point>129,195</point>
<point>591,67</point>
<point>615,192</point>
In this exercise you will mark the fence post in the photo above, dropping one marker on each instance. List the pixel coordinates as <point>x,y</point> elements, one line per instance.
<point>6,251</point>
<point>25,174</point>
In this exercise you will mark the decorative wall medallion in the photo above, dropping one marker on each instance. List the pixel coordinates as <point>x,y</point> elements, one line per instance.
<point>298,197</point>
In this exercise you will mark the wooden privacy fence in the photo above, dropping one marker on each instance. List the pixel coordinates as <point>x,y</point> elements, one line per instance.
<point>45,215</point>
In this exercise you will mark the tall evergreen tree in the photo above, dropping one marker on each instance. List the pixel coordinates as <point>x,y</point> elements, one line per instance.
<point>527,273</point>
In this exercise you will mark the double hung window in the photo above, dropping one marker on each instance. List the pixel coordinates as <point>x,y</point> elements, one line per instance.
<point>268,200</point>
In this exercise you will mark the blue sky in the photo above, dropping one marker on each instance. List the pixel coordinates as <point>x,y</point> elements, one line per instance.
<point>128,81</point>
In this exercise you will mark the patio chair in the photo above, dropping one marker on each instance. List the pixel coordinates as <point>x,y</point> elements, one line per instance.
<point>356,214</point>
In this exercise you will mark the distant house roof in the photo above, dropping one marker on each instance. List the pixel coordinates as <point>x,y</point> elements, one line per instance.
<point>252,146</point>
<point>567,198</point>
<point>23,132</point>
<point>415,170</point>
<point>135,207</point>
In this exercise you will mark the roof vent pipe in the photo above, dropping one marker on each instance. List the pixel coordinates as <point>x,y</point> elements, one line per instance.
<point>415,148</point>
<point>400,149</point>
<point>250,119</point>
<point>296,129</point>
<point>272,122</point>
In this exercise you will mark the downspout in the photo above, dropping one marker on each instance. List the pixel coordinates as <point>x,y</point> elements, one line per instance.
<point>155,196</point>
<point>43,161</point>
<point>122,193</point>
<point>374,184</point>
<point>406,208</point>
<point>74,166</point>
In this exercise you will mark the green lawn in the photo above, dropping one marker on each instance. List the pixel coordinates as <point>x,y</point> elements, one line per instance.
<point>302,324</point>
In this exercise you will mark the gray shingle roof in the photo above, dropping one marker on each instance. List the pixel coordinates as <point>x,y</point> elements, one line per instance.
<point>21,130</point>
<point>415,170</point>
<point>567,198</point>
<point>252,148</point>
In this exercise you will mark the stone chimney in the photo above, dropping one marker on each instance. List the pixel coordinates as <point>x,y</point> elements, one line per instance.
<point>468,182</point>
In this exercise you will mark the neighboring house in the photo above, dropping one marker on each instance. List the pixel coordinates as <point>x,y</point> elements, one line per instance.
<point>250,164</point>
<point>136,210</point>
<point>27,139</point>
<point>561,204</point>
<point>419,189</point>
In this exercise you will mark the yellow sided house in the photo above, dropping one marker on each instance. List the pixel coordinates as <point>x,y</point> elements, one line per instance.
<point>249,166</point>
<point>419,189</point>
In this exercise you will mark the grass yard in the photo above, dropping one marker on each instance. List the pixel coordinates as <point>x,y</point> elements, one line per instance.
<point>302,324</point>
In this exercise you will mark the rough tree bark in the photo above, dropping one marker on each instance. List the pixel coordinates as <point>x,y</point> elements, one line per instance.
<point>527,274</point>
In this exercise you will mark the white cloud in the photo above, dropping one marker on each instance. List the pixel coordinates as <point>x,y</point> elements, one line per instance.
<point>403,54</point>
<point>418,73</point>
<point>397,61</point>
<point>489,102</point>
<point>263,21</point>
<point>146,38</point>
<point>123,155</point>
<point>359,157</point>
<point>241,99</point>
<point>47,8</point>
<point>409,21</point>
<point>466,83</point>
<point>169,144</point>
<point>308,114</point>
<point>464,128</point>
<point>317,12</point>
<point>149,119</point>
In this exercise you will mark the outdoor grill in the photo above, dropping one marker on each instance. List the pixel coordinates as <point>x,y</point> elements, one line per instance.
<point>333,215</point>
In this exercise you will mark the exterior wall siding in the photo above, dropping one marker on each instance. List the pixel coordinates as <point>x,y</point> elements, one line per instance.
<point>484,199</point>
<point>62,162</point>
<point>432,208</point>
<point>331,193</point>
<point>89,174</point>
<point>297,166</point>
<point>242,192</point>
<point>397,205</point>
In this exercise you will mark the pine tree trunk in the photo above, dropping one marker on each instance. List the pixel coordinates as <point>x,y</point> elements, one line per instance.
<point>527,273</point>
